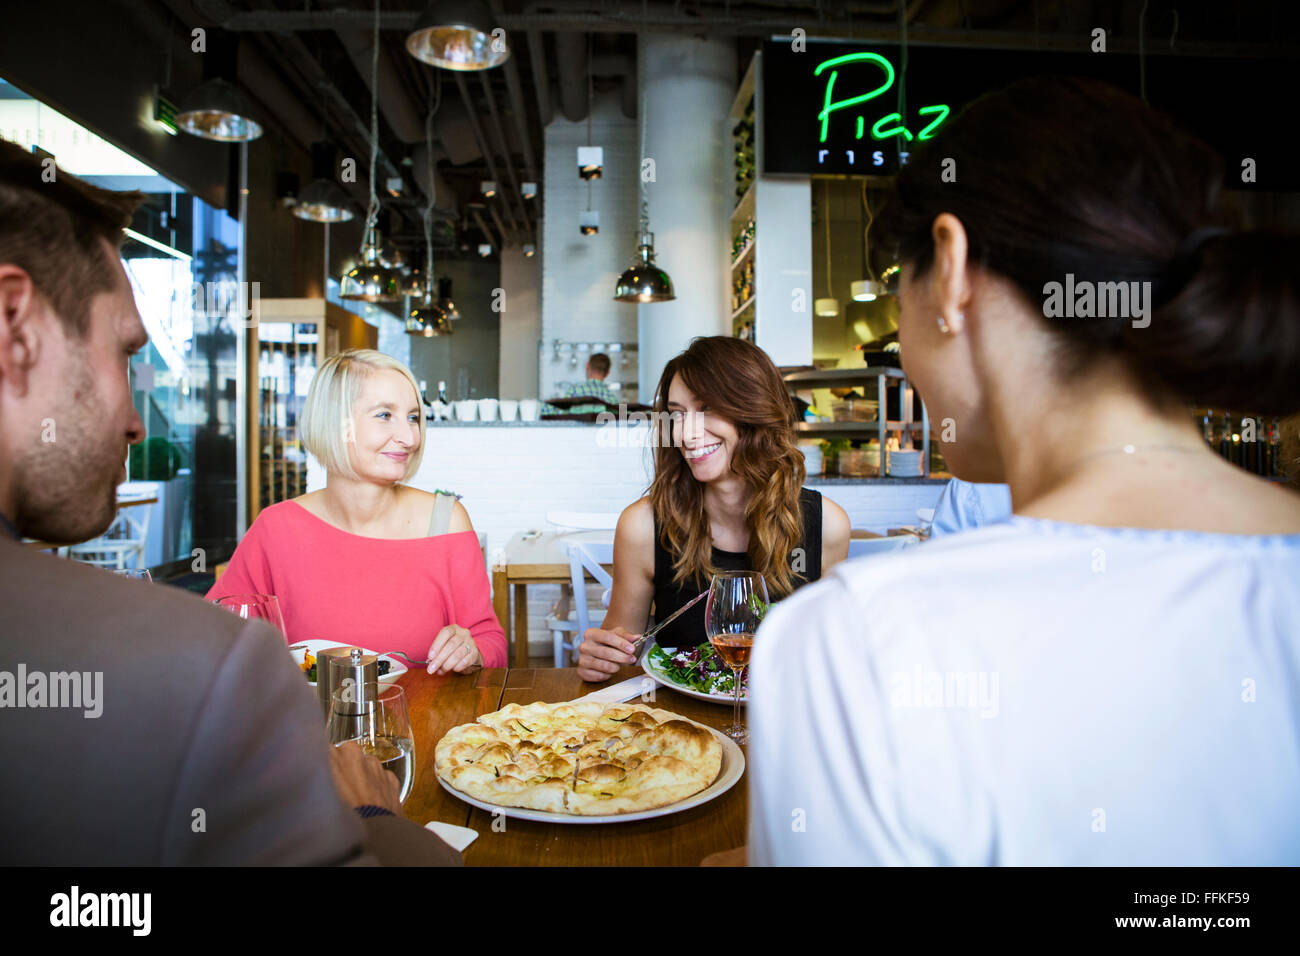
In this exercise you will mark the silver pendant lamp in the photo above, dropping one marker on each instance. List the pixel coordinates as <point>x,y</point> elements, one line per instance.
<point>643,281</point>
<point>370,280</point>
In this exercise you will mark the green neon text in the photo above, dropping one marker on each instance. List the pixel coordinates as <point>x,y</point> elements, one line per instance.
<point>878,131</point>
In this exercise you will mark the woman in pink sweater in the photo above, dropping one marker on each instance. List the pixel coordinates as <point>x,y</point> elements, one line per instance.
<point>368,560</point>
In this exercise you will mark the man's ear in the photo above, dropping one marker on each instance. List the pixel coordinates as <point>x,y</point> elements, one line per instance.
<point>20,338</point>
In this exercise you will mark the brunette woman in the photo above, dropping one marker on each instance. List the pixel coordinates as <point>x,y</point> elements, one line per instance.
<point>727,495</point>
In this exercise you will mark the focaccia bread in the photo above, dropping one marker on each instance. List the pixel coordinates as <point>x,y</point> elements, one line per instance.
<point>579,757</point>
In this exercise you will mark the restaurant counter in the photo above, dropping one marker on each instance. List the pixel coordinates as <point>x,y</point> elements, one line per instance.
<point>512,474</point>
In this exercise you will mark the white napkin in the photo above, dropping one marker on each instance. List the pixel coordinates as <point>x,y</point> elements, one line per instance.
<point>626,690</point>
<point>456,837</point>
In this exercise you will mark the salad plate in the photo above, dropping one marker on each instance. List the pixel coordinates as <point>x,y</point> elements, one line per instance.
<point>698,676</point>
<point>732,769</point>
<point>397,667</point>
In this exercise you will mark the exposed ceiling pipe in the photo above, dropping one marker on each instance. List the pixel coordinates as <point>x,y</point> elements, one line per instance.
<point>624,67</point>
<point>515,195</point>
<point>541,81</point>
<point>518,111</point>
<point>575,16</point>
<point>497,219</point>
<point>394,100</point>
<point>571,58</point>
<point>482,140</point>
<point>474,211</point>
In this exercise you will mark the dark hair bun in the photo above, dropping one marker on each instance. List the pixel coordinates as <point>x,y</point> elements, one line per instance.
<point>1231,338</point>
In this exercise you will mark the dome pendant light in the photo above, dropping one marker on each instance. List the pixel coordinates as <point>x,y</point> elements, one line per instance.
<point>869,289</point>
<point>324,200</point>
<point>458,35</point>
<point>644,281</point>
<point>216,110</point>
<point>829,306</point>
<point>370,280</point>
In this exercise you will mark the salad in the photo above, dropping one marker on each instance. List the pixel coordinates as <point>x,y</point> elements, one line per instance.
<point>698,668</point>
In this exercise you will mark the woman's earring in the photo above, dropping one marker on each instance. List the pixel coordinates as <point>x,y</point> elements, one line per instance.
<point>943,326</point>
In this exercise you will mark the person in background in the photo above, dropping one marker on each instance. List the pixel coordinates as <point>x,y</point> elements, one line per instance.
<point>1090,681</point>
<point>727,495</point>
<point>157,711</point>
<point>594,387</point>
<point>369,560</point>
<point>964,505</point>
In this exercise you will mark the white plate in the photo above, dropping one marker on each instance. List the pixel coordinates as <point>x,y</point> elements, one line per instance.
<point>397,669</point>
<point>732,769</point>
<point>682,689</point>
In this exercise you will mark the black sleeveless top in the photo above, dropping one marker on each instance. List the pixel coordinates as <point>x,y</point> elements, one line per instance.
<point>688,630</point>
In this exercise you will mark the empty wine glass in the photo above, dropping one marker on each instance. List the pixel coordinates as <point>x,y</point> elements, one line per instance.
<point>140,574</point>
<point>263,606</point>
<point>376,718</point>
<point>735,607</point>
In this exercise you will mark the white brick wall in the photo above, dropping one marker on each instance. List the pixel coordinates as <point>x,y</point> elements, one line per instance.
<point>579,271</point>
<point>510,477</point>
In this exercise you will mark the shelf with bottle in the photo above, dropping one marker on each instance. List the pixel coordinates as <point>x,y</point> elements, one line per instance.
<point>1246,440</point>
<point>743,153</point>
<point>742,289</point>
<point>742,244</point>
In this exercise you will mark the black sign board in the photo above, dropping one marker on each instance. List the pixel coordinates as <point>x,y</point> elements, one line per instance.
<point>833,108</point>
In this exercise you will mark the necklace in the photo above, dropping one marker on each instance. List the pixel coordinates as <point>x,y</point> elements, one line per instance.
<point>1133,450</point>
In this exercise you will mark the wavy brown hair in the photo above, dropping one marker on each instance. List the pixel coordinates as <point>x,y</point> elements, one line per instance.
<point>739,382</point>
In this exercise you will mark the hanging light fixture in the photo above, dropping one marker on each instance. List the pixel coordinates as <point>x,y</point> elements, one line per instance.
<point>829,306</point>
<point>444,299</point>
<point>323,201</point>
<point>427,317</point>
<point>870,288</point>
<point>370,280</point>
<point>458,35</point>
<point>643,281</point>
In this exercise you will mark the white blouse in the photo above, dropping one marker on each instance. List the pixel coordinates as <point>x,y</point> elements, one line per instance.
<point>1034,693</point>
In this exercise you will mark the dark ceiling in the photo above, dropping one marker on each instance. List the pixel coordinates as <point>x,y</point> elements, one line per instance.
<point>307,63</point>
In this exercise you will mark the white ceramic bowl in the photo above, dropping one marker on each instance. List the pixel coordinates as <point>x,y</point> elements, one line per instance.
<point>509,409</point>
<point>467,410</point>
<point>487,409</point>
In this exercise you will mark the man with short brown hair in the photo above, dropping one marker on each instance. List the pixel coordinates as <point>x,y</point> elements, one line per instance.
<point>139,724</point>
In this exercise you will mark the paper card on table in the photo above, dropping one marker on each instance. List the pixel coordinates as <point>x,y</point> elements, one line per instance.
<point>456,837</point>
<point>626,690</point>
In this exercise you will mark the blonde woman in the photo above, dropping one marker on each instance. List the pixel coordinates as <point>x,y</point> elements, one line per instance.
<point>369,560</point>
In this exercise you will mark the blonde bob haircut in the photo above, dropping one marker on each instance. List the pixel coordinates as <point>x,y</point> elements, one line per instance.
<point>327,426</point>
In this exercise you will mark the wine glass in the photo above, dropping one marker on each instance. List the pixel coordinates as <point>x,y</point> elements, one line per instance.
<point>263,606</point>
<point>735,607</point>
<point>374,716</point>
<point>140,574</point>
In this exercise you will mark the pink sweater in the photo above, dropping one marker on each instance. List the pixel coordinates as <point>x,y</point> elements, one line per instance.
<point>378,593</point>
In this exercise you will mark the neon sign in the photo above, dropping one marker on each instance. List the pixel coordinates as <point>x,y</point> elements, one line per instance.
<point>879,130</point>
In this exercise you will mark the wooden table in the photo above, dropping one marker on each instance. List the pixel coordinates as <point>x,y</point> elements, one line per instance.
<point>439,703</point>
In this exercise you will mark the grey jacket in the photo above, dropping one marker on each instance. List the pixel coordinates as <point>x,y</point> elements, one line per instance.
<point>208,747</point>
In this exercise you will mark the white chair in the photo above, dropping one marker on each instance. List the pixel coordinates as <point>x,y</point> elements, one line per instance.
<point>124,540</point>
<point>567,628</point>
<point>861,547</point>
